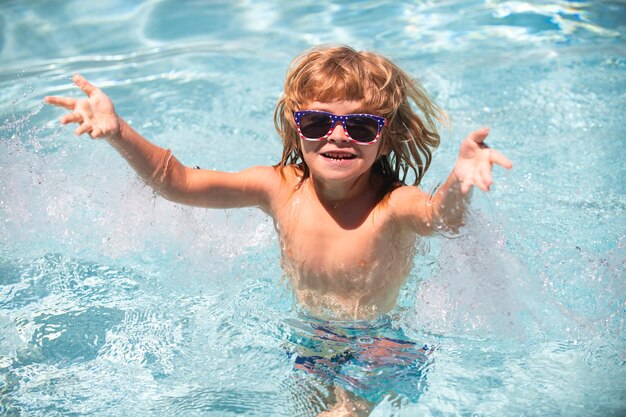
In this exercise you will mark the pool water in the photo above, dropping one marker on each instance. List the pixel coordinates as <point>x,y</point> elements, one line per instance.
<point>116,302</point>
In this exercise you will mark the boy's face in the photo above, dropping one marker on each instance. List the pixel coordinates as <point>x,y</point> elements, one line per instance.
<point>337,159</point>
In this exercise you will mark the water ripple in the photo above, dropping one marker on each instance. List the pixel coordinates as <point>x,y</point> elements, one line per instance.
<point>113,302</point>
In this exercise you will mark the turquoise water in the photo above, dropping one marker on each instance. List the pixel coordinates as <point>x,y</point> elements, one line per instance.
<point>115,302</point>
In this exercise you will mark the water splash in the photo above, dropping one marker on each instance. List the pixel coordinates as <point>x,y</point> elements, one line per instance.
<point>477,288</point>
<point>481,290</point>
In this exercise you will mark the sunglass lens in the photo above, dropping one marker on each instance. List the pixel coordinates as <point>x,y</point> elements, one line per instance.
<point>315,125</point>
<point>362,129</point>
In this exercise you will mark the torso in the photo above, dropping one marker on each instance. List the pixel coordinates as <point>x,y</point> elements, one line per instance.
<point>344,262</point>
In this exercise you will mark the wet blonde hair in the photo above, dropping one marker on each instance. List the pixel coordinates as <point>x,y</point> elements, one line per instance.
<point>329,74</point>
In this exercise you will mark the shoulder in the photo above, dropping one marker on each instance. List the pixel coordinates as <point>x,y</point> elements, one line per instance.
<point>261,172</point>
<point>401,194</point>
<point>277,183</point>
<point>283,177</point>
<point>256,176</point>
<point>273,175</point>
<point>408,205</point>
<point>290,173</point>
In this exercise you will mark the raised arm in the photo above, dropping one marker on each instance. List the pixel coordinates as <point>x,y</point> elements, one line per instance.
<point>426,213</point>
<point>96,116</point>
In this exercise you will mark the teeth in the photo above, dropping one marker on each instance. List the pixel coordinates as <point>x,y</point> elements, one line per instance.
<point>333,155</point>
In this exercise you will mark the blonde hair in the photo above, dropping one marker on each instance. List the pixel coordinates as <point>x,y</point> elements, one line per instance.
<point>341,73</point>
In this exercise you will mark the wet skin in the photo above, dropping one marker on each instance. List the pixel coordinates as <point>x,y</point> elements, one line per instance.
<point>346,252</point>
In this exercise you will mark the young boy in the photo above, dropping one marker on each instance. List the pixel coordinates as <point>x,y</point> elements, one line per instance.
<point>347,223</point>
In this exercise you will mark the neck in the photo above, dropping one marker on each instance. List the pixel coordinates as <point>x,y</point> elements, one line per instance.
<point>349,203</point>
<point>334,194</point>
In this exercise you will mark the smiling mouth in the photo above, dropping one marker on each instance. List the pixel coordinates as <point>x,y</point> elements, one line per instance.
<point>338,156</point>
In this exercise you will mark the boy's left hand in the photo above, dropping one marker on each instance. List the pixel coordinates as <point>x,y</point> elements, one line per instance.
<point>473,167</point>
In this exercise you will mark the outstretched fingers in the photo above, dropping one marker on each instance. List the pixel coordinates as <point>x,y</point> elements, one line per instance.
<point>84,85</point>
<point>65,102</point>
<point>476,160</point>
<point>466,184</point>
<point>479,136</point>
<point>94,115</point>
<point>496,157</point>
<point>69,103</point>
<point>83,128</point>
<point>72,118</point>
<point>485,177</point>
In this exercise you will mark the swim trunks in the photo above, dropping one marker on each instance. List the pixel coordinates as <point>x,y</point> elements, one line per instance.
<point>370,359</point>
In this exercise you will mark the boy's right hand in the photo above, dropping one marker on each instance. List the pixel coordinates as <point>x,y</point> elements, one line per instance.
<point>95,115</point>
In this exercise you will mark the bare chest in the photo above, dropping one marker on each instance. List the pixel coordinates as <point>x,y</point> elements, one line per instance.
<point>331,254</point>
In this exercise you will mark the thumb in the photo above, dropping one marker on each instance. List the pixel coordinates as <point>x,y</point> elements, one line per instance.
<point>479,136</point>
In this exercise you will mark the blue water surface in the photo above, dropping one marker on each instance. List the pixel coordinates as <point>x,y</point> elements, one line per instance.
<point>117,302</point>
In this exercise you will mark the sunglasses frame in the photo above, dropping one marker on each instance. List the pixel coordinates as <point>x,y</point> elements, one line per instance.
<point>380,121</point>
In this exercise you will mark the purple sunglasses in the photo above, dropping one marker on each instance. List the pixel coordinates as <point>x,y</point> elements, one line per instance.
<point>363,129</point>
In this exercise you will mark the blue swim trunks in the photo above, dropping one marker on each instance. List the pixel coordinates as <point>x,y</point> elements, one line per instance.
<point>369,359</point>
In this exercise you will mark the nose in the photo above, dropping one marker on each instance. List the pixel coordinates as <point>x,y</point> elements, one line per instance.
<point>338,134</point>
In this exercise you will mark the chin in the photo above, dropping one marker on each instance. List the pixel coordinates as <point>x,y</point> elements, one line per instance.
<point>337,175</point>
